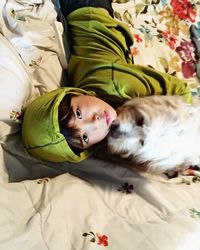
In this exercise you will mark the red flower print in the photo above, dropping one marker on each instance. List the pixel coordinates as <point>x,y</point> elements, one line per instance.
<point>184,9</point>
<point>102,240</point>
<point>165,34</point>
<point>172,42</point>
<point>170,38</point>
<point>138,38</point>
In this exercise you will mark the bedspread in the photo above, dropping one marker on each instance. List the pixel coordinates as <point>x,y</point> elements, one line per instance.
<point>161,32</point>
<point>93,204</point>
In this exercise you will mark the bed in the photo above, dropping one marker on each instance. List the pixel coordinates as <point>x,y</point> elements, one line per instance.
<point>94,204</point>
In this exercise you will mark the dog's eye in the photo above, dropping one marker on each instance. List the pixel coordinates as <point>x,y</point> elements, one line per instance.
<point>139,120</point>
<point>142,142</point>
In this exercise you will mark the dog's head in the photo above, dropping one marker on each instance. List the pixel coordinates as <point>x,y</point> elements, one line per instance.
<point>140,118</point>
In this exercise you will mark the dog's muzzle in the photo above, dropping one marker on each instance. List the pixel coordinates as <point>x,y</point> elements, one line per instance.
<point>115,131</point>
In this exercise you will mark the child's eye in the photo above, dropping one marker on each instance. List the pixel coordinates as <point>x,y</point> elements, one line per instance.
<point>85,138</point>
<point>78,114</point>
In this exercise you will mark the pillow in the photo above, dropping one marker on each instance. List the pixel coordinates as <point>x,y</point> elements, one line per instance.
<point>15,83</point>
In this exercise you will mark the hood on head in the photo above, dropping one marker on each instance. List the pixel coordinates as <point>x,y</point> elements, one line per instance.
<point>40,128</point>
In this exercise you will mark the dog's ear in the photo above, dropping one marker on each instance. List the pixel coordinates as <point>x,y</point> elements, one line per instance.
<point>131,113</point>
<point>139,118</point>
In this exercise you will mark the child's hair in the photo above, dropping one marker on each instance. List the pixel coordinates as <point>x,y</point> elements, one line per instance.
<point>65,113</point>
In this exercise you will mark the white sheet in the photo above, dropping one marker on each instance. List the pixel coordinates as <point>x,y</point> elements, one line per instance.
<point>15,84</point>
<point>33,30</point>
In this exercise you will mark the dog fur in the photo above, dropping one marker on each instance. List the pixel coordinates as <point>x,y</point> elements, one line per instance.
<point>156,134</point>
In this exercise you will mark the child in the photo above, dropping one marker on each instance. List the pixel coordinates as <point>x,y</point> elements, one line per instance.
<point>65,124</point>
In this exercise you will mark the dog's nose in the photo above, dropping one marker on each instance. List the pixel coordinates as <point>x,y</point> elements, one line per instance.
<point>114,126</point>
<point>114,130</point>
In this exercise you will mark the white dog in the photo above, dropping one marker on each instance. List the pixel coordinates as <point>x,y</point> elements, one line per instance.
<point>157,133</point>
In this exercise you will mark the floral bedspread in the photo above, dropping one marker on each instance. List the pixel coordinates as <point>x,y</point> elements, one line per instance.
<point>161,32</point>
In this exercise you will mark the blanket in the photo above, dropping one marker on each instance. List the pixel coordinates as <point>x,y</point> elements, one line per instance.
<point>93,204</point>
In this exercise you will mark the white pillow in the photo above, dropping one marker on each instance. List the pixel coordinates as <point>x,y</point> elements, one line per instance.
<point>15,82</point>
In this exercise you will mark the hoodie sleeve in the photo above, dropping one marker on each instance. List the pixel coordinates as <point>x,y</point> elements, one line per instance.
<point>101,61</point>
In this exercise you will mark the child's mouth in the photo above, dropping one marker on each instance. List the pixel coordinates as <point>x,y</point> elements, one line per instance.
<point>107,118</point>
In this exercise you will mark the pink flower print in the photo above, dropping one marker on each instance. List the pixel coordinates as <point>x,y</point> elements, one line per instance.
<point>186,53</point>
<point>134,51</point>
<point>188,68</point>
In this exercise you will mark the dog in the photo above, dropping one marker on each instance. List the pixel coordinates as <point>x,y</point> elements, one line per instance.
<point>156,134</point>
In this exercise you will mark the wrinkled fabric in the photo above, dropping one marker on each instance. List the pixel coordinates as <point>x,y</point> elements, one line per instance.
<point>101,61</point>
<point>33,30</point>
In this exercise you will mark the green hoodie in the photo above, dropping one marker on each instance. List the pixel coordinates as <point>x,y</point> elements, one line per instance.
<point>40,128</point>
<point>100,62</point>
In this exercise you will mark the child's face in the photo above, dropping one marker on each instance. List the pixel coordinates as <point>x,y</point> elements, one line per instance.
<point>92,117</point>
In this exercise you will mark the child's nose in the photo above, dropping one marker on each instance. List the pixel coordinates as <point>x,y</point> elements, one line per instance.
<point>96,117</point>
